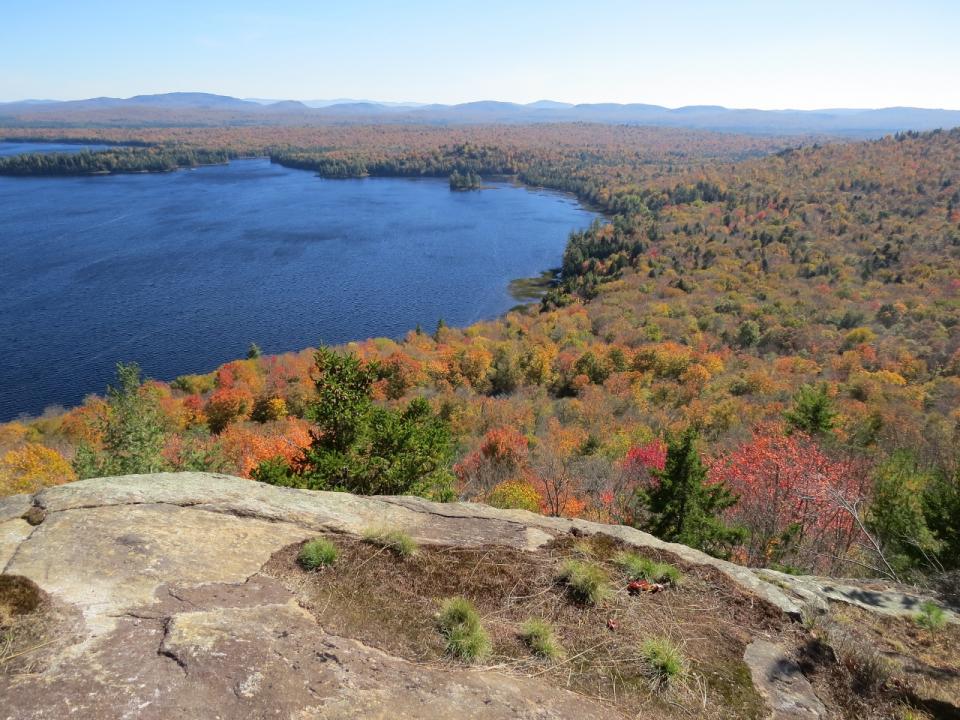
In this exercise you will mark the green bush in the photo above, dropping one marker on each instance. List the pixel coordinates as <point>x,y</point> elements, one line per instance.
<point>638,567</point>
<point>397,541</point>
<point>684,506</point>
<point>540,638</point>
<point>931,616</point>
<point>586,582</point>
<point>812,411</point>
<point>459,623</point>
<point>318,552</point>
<point>664,660</point>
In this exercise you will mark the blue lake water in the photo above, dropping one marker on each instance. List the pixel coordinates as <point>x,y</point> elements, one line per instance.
<point>181,271</point>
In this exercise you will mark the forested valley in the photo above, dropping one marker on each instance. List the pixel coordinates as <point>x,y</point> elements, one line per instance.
<point>757,353</point>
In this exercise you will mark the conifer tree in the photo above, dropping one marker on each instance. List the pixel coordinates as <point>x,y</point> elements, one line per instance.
<point>683,507</point>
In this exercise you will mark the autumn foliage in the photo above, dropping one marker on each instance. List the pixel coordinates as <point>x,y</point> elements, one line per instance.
<point>795,499</point>
<point>797,305</point>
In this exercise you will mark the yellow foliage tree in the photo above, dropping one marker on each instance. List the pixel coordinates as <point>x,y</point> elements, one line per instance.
<point>32,467</point>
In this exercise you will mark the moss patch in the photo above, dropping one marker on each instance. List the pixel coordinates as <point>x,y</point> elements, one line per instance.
<point>18,596</point>
<point>28,625</point>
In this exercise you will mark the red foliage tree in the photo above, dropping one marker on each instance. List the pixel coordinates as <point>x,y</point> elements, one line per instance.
<point>795,498</point>
<point>502,455</point>
<point>635,471</point>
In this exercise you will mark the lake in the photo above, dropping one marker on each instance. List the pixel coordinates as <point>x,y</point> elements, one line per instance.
<point>181,271</point>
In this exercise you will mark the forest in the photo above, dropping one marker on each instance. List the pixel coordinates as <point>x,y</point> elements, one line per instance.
<point>114,160</point>
<point>757,353</point>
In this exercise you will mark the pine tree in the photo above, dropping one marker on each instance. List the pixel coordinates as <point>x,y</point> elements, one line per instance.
<point>812,411</point>
<point>133,435</point>
<point>362,447</point>
<point>683,507</point>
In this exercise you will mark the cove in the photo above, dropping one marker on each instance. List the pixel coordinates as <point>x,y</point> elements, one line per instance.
<point>181,271</point>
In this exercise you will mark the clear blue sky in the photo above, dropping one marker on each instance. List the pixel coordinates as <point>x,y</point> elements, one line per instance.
<point>739,53</point>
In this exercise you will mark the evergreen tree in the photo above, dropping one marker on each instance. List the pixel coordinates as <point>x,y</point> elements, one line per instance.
<point>362,447</point>
<point>133,434</point>
<point>683,507</point>
<point>896,514</point>
<point>941,506</point>
<point>812,411</point>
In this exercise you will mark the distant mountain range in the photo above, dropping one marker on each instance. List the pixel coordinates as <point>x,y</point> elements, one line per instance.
<point>209,109</point>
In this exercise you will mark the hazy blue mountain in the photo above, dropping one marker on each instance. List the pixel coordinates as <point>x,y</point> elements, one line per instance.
<point>212,109</point>
<point>549,105</point>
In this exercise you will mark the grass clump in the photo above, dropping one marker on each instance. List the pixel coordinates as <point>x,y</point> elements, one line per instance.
<point>638,567</point>
<point>459,622</point>
<point>541,639</point>
<point>586,582</point>
<point>664,660</point>
<point>318,552</point>
<point>397,541</point>
<point>583,548</point>
<point>931,616</point>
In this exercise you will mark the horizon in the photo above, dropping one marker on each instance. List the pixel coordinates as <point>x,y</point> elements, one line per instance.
<point>862,55</point>
<point>417,104</point>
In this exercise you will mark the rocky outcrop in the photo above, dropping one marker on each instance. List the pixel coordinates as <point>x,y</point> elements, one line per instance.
<point>161,610</point>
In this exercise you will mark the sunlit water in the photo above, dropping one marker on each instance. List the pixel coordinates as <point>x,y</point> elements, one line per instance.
<point>181,271</point>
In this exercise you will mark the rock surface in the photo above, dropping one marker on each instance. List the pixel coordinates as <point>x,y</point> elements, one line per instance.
<point>165,613</point>
<point>781,682</point>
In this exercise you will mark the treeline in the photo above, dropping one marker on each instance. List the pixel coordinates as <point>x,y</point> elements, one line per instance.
<point>74,139</point>
<point>125,160</point>
<point>464,159</point>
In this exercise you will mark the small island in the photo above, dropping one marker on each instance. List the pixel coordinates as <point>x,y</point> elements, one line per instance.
<point>464,181</point>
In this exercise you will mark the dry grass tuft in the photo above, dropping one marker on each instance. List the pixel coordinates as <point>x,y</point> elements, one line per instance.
<point>586,582</point>
<point>397,541</point>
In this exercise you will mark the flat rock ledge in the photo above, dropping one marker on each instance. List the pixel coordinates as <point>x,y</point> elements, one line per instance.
<point>155,579</point>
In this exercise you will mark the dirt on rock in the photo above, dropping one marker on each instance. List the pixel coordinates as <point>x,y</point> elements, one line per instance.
<point>390,603</point>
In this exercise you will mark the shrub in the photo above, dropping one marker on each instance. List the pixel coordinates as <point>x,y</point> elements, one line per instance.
<point>133,431</point>
<point>32,466</point>
<point>638,567</point>
<point>931,616</point>
<point>397,541</point>
<point>664,660</point>
<point>515,495</point>
<point>540,638</point>
<point>316,553</point>
<point>586,582</point>
<point>459,622</point>
<point>227,405</point>
<point>684,505</point>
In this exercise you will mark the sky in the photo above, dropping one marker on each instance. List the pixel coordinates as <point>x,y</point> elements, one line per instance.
<point>767,54</point>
